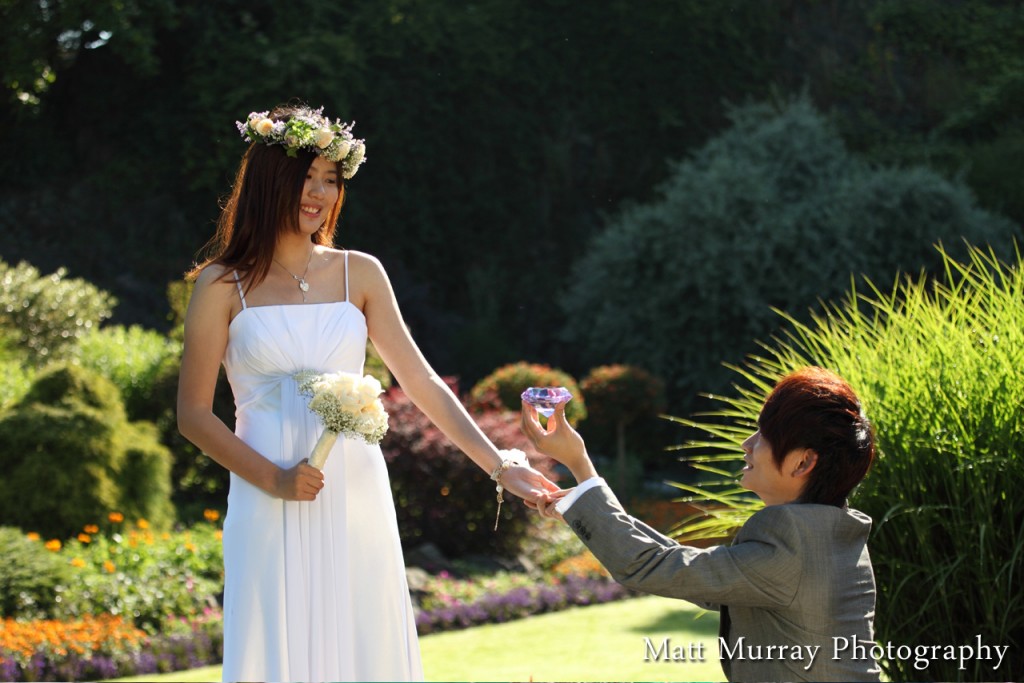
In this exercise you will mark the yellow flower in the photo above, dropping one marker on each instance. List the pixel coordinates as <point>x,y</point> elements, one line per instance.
<point>115,517</point>
<point>32,536</point>
<point>91,529</point>
<point>78,562</point>
<point>142,524</point>
<point>84,538</point>
<point>211,515</point>
<point>219,534</point>
<point>53,545</point>
<point>109,566</point>
<point>190,547</point>
<point>165,536</point>
<point>264,126</point>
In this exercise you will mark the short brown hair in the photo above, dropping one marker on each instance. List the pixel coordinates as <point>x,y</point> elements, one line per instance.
<point>817,409</point>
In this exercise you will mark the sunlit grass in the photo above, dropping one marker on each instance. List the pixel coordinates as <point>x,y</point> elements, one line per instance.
<point>598,643</point>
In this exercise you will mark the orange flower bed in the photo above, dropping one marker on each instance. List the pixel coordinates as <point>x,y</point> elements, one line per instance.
<point>89,634</point>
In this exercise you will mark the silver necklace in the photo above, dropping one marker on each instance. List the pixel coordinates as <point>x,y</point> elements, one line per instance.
<point>303,285</point>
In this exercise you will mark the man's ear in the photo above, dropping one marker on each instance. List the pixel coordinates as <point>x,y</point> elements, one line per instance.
<point>807,458</point>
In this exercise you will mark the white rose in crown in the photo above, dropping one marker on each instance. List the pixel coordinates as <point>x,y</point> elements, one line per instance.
<point>324,138</point>
<point>343,147</point>
<point>347,404</point>
<point>264,126</point>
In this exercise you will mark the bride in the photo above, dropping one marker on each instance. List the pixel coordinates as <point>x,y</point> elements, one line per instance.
<point>314,578</point>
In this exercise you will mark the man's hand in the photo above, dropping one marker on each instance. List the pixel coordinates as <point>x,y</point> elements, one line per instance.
<point>560,441</point>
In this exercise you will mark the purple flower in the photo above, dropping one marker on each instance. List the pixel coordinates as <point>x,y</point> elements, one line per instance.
<point>9,671</point>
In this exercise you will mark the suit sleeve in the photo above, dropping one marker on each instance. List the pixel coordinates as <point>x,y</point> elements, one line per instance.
<point>761,569</point>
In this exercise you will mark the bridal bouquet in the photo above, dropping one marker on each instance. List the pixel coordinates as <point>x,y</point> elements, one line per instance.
<point>347,404</point>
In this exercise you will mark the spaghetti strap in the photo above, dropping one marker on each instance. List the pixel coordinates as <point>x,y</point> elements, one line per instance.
<point>346,275</point>
<point>241,294</point>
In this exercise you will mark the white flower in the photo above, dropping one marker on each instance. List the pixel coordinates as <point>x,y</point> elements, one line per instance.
<point>264,126</point>
<point>346,403</point>
<point>369,390</point>
<point>358,153</point>
<point>343,147</point>
<point>324,138</point>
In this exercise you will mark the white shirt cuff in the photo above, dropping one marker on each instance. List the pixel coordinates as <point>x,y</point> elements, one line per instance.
<point>565,503</point>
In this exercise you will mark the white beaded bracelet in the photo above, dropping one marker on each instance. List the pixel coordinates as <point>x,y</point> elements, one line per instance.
<point>509,458</point>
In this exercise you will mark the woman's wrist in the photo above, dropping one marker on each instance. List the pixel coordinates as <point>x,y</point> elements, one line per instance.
<point>509,459</point>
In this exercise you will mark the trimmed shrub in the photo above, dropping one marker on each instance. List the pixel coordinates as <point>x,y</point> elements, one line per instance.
<point>131,358</point>
<point>622,393</point>
<point>15,380</point>
<point>623,402</point>
<point>29,576</point>
<point>501,389</point>
<point>69,453</point>
<point>937,367</point>
<point>146,475</point>
<point>43,315</point>
<point>443,497</point>
<point>197,481</point>
<point>774,212</point>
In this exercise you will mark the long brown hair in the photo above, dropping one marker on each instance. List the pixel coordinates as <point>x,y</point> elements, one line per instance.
<point>264,201</point>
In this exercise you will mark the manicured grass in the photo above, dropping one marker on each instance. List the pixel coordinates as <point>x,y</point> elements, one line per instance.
<point>598,643</point>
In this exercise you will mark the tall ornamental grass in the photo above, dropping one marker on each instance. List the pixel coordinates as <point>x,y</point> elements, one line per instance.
<point>937,365</point>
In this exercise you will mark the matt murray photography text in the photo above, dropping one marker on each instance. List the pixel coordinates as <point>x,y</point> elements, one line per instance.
<point>850,647</point>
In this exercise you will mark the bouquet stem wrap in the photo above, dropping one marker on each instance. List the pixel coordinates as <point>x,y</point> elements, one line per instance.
<point>323,446</point>
<point>347,404</point>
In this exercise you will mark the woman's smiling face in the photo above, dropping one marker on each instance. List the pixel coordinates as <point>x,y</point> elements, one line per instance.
<point>319,194</point>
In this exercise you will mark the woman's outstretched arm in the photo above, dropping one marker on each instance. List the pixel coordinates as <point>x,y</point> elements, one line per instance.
<point>424,386</point>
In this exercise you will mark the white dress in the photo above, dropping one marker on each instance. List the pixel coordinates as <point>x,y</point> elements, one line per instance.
<point>314,591</point>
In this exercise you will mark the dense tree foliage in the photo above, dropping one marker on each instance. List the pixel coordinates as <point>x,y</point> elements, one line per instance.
<point>499,132</point>
<point>773,213</point>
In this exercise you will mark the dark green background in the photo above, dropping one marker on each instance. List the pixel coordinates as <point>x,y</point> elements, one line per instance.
<point>500,133</point>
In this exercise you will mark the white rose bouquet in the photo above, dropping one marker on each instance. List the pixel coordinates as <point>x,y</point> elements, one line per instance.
<point>347,404</point>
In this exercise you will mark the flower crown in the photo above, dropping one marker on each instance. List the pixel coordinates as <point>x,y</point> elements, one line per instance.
<point>314,132</point>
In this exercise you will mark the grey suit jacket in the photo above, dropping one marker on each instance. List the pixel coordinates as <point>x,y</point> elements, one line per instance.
<point>796,576</point>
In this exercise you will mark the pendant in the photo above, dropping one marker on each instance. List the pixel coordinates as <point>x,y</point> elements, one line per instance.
<point>303,285</point>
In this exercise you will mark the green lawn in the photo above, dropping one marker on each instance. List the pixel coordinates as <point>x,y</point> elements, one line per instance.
<point>599,643</point>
